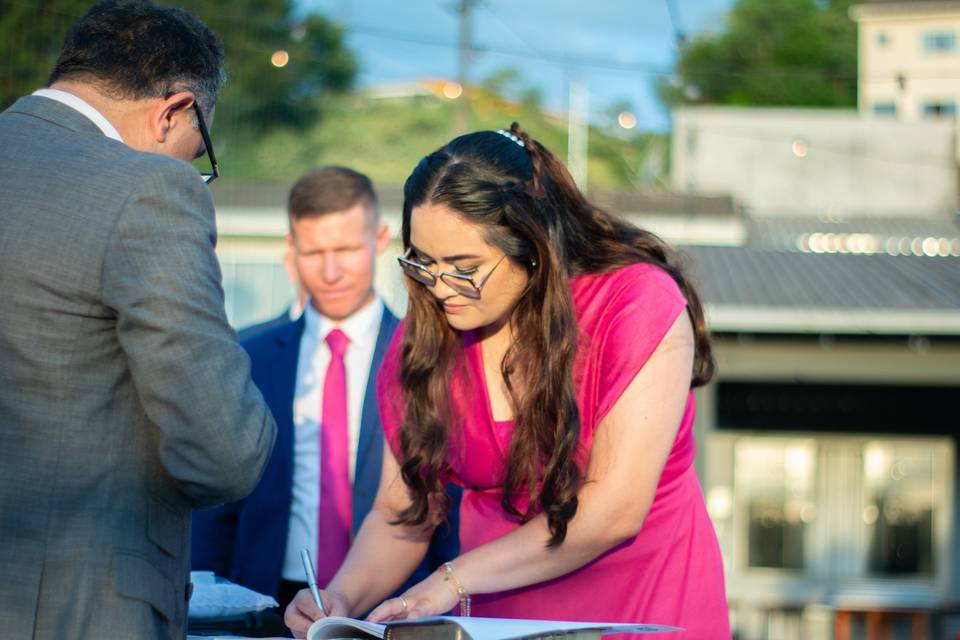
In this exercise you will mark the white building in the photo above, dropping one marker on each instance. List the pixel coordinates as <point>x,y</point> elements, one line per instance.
<point>909,59</point>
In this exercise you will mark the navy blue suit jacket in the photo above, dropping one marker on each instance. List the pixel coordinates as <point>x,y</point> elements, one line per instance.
<point>246,541</point>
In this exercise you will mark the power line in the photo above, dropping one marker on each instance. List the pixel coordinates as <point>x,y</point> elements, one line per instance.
<point>566,60</point>
<point>506,25</point>
<point>679,37</point>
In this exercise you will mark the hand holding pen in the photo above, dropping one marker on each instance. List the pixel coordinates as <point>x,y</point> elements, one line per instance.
<point>311,604</point>
<point>312,579</point>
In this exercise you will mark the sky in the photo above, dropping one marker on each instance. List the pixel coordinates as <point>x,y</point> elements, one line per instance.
<point>616,49</point>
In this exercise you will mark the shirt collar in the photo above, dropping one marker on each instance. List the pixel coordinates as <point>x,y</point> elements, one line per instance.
<point>84,107</point>
<point>361,327</point>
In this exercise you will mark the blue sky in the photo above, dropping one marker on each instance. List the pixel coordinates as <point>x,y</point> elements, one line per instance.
<point>616,48</point>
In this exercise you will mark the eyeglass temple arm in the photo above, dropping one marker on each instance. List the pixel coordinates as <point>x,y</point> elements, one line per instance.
<point>489,273</point>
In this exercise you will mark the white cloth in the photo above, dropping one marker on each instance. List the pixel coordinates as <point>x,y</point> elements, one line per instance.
<point>362,329</point>
<point>84,107</point>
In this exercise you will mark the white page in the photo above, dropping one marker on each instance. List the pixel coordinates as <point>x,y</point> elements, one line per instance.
<point>337,627</point>
<point>509,628</point>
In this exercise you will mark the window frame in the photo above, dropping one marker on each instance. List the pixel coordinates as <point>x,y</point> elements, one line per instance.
<point>884,109</point>
<point>939,42</point>
<point>838,526</point>
<point>945,109</point>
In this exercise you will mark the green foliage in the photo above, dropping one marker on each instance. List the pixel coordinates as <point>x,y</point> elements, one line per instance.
<point>258,95</point>
<point>273,123</point>
<point>508,82</point>
<point>385,138</point>
<point>502,80</point>
<point>30,37</point>
<point>772,53</point>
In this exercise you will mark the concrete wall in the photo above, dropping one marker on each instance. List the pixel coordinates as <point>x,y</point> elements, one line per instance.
<point>823,162</point>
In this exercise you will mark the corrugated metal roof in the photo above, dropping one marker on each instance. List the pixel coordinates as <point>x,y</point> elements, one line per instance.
<point>751,276</point>
<point>752,289</point>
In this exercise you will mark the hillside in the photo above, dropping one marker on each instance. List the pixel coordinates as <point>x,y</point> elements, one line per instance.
<point>386,137</point>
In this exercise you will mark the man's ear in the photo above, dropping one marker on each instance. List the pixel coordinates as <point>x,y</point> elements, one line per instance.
<point>162,115</point>
<point>288,260</point>
<point>383,238</point>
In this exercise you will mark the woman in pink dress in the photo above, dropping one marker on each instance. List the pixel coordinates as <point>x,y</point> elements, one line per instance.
<point>546,365</point>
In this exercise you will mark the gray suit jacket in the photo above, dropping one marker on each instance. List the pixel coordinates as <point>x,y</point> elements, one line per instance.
<point>125,399</point>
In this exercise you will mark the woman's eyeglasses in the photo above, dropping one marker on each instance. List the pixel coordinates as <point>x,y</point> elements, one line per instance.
<point>463,284</point>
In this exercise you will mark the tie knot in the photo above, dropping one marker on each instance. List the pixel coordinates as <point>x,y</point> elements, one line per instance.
<point>337,340</point>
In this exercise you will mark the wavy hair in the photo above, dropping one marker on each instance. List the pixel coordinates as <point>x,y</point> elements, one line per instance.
<point>530,208</point>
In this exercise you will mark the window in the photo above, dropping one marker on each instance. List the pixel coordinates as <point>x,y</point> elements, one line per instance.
<point>254,291</point>
<point>774,485</point>
<point>945,109</point>
<point>883,39</point>
<point>899,501</point>
<point>834,509</point>
<point>939,42</point>
<point>885,109</point>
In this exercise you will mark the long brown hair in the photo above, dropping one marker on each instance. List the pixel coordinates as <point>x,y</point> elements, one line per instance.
<point>530,208</point>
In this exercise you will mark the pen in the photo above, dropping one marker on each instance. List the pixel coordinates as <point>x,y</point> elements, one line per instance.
<point>312,579</point>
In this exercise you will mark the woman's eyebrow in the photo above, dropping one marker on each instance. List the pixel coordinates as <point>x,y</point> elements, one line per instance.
<point>459,256</point>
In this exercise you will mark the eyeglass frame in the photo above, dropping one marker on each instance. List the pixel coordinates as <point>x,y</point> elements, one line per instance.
<point>478,287</point>
<point>207,147</point>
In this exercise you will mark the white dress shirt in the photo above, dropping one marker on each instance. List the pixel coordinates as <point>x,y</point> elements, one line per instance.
<point>84,107</point>
<point>362,329</point>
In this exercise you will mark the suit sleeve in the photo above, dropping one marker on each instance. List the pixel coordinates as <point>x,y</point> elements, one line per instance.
<point>162,280</point>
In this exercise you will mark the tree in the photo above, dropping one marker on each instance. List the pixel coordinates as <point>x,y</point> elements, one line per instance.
<point>30,37</point>
<point>258,94</point>
<point>772,53</point>
<point>502,81</point>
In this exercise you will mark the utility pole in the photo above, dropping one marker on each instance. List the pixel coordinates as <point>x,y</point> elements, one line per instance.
<point>465,17</point>
<point>578,131</point>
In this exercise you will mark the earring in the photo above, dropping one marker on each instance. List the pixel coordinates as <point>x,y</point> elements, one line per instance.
<point>533,262</point>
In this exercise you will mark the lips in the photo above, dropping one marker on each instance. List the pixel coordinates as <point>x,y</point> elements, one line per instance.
<point>453,308</point>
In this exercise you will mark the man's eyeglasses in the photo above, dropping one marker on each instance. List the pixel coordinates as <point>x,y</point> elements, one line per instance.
<point>461,283</point>
<point>208,147</point>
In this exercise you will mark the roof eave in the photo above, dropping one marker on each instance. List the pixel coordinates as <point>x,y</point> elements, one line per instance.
<point>868,322</point>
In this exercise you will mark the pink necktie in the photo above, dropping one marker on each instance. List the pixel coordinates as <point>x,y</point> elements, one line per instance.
<point>333,519</point>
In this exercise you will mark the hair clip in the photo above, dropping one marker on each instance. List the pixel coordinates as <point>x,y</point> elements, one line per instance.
<point>507,134</point>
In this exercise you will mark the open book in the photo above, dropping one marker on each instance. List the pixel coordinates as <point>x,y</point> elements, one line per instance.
<point>456,628</point>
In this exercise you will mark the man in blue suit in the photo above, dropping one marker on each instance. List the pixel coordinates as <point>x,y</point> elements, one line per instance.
<point>335,237</point>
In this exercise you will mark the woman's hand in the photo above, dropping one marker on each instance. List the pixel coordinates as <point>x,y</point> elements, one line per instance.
<point>303,611</point>
<point>432,596</point>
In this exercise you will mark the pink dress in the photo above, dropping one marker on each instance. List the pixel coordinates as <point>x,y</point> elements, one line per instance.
<point>671,572</point>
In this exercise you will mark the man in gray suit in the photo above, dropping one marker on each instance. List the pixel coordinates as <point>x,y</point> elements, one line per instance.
<point>125,399</point>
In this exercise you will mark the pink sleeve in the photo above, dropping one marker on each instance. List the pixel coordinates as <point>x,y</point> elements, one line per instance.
<point>643,306</point>
<point>390,394</point>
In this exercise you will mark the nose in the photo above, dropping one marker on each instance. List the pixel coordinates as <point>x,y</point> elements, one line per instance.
<point>441,290</point>
<point>330,270</point>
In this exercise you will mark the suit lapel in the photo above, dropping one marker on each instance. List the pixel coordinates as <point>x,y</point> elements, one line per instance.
<point>284,380</point>
<point>370,444</point>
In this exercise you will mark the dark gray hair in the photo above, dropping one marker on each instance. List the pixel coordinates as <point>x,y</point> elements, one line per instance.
<point>133,49</point>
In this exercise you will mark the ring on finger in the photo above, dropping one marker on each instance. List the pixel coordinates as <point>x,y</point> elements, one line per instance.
<point>403,603</point>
